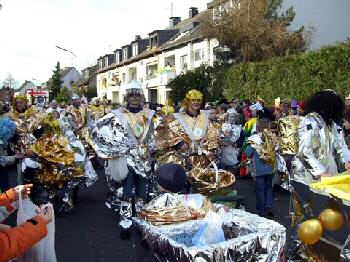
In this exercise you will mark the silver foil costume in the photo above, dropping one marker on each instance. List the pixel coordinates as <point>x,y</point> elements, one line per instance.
<point>126,141</point>
<point>318,144</point>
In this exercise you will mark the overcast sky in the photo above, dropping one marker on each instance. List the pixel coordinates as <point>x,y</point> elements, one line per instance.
<point>30,30</point>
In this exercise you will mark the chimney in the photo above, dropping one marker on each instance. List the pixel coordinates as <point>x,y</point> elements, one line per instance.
<point>193,12</point>
<point>137,37</point>
<point>174,21</point>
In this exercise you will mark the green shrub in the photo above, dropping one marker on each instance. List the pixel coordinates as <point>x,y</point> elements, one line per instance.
<point>295,76</point>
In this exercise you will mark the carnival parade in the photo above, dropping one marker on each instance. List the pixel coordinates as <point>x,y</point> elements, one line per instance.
<point>222,136</point>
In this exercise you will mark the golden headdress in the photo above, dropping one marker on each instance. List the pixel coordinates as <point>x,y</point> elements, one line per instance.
<point>18,98</point>
<point>192,95</point>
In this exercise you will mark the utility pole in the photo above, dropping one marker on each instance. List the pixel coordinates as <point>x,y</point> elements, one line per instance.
<point>172,10</point>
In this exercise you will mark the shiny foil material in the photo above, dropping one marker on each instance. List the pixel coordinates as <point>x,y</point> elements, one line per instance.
<point>318,145</point>
<point>208,181</point>
<point>110,139</point>
<point>171,208</point>
<point>26,123</point>
<point>288,135</point>
<point>248,238</point>
<point>201,149</point>
<point>80,155</point>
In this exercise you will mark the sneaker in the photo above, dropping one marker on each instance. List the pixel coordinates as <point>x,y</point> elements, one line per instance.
<point>124,234</point>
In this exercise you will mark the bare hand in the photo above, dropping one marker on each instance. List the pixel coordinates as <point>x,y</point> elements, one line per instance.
<point>4,227</point>
<point>24,189</point>
<point>347,166</point>
<point>46,213</point>
<point>325,174</point>
<point>30,153</point>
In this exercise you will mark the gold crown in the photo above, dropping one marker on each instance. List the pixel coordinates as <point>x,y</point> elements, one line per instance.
<point>167,110</point>
<point>194,95</point>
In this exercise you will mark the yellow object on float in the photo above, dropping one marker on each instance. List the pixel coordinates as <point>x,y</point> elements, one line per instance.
<point>310,231</point>
<point>338,186</point>
<point>331,219</point>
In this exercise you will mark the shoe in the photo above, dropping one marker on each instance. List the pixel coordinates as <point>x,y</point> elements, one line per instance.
<point>269,213</point>
<point>124,234</point>
<point>262,214</point>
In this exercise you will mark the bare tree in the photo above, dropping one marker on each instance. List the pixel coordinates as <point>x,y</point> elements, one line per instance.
<point>255,30</point>
<point>10,82</point>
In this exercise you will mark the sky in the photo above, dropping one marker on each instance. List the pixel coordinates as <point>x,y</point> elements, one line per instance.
<point>30,30</point>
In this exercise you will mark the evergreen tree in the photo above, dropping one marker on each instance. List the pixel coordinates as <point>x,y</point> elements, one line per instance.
<point>55,84</point>
<point>63,96</point>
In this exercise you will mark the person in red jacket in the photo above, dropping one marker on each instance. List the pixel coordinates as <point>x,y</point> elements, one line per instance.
<point>15,241</point>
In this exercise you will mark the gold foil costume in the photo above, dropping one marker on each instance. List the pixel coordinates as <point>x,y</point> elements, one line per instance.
<point>288,135</point>
<point>202,140</point>
<point>55,155</point>
<point>77,117</point>
<point>26,123</point>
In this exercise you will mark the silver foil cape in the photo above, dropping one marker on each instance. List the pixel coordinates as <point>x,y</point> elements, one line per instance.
<point>81,156</point>
<point>110,140</point>
<point>256,239</point>
<point>318,146</point>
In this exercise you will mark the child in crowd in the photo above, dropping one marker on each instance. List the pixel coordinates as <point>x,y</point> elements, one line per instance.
<point>263,171</point>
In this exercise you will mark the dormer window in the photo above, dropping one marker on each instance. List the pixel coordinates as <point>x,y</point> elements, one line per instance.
<point>154,41</point>
<point>117,57</point>
<point>125,53</point>
<point>135,49</point>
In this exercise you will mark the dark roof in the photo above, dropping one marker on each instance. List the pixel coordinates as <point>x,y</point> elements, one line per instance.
<point>183,38</point>
<point>179,39</point>
<point>215,3</point>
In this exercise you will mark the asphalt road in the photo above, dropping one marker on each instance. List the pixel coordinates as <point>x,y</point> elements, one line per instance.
<point>91,234</point>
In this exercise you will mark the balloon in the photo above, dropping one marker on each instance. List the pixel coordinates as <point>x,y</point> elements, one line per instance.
<point>331,219</point>
<point>310,231</point>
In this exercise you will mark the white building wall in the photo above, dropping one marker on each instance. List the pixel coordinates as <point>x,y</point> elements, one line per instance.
<point>159,82</point>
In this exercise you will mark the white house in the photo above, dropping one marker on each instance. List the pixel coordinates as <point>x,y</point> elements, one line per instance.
<point>156,60</point>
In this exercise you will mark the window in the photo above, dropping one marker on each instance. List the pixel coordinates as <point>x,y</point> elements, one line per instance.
<point>125,53</point>
<point>151,71</point>
<point>199,55</point>
<point>117,57</point>
<point>124,77</point>
<point>104,83</point>
<point>132,74</point>
<point>183,62</point>
<point>135,49</point>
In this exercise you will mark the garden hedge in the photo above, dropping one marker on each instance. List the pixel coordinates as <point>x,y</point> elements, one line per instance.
<point>295,76</point>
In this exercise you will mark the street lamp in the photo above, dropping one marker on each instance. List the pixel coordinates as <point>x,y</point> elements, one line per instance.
<point>73,55</point>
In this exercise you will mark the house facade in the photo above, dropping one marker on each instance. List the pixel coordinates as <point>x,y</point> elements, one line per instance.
<point>156,59</point>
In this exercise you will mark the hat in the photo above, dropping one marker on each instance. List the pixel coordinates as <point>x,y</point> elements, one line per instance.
<point>171,177</point>
<point>133,85</point>
<point>75,96</point>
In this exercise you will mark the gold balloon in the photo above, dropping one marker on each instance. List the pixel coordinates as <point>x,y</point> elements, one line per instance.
<point>310,231</point>
<point>331,219</point>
